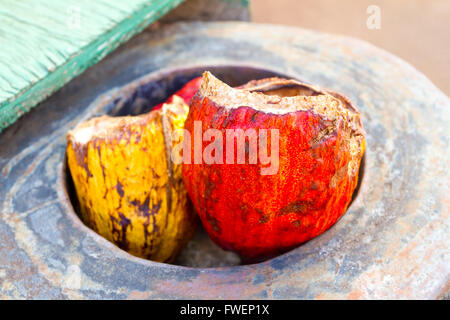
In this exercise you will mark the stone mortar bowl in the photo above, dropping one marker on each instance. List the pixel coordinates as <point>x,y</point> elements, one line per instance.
<point>139,97</point>
<point>391,243</point>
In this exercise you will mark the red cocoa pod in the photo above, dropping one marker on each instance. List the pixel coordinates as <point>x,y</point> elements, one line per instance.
<point>262,208</point>
<point>186,92</point>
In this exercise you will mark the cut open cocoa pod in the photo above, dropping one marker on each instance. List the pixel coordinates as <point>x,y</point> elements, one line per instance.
<point>277,165</point>
<point>129,191</point>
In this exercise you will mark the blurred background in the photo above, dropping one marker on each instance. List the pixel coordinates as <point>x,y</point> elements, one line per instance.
<point>46,43</point>
<point>418,31</point>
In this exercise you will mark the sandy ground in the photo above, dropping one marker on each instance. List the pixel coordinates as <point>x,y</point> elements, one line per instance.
<point>416,30</point>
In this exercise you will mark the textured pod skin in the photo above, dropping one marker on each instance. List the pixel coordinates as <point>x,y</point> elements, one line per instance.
<point>321,143</point>
<point>128,189</point>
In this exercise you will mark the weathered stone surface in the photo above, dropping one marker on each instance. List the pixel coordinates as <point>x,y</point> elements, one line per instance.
<point>392,242</point>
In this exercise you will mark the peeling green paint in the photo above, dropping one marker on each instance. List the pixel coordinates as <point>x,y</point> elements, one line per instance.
<point>45,43</point>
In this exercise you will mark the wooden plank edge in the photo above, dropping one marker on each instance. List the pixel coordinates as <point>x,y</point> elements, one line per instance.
<point>87,56</point>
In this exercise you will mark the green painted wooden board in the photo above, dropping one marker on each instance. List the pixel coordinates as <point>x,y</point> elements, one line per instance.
<point>45,43</point>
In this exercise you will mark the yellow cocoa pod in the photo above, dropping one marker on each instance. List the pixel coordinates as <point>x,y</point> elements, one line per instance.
<point>128,188</point>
